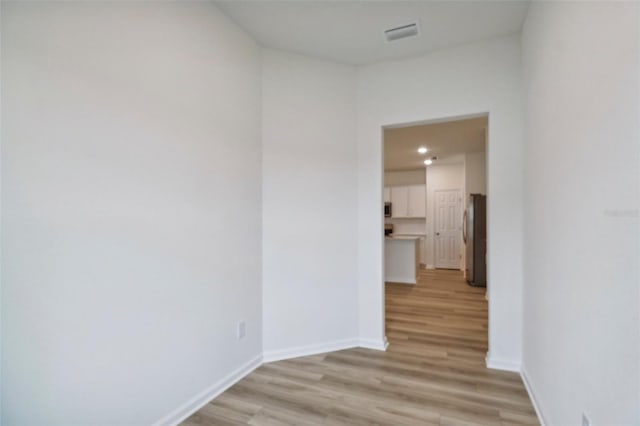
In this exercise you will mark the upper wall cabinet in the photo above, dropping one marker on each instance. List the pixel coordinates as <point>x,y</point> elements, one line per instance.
<point>408,201</point>
<point>417,201</point>
<point>387,194</point>
<point>399,201</point>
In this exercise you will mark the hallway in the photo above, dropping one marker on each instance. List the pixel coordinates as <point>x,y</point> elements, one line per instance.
<point>441,317</point>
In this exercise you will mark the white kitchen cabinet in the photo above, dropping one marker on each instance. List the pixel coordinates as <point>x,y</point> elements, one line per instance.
<point>417,201</point>
<point>387,194</point>
<point>401,260</point>
<point>399,201</point>
<point>408,201</point>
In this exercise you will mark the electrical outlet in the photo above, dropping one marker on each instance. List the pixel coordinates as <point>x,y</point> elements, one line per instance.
<point>242,329</point>
<point>585,420</point>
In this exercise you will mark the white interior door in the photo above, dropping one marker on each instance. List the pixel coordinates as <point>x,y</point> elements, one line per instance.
<point>448,227</point>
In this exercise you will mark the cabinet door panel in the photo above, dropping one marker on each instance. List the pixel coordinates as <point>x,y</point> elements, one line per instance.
<point>387,194</point>
<point>417,201</point>
<point>399,201</point>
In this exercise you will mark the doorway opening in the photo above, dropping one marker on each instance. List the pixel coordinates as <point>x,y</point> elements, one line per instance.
<point>432,172</point>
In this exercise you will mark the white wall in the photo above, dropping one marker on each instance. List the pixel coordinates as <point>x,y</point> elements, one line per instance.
<point>404,177</point>
<point>1,231</point>
<point>309,221</point>
<point>581,319</point>
<point>440,177</point>
<point>475,78</point>
<point>131,208</point>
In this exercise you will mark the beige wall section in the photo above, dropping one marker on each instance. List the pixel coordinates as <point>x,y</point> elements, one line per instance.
<point>405,177</point>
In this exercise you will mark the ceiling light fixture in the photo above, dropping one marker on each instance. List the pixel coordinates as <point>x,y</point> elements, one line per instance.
<point>422,150</point>
<point>429,161</point>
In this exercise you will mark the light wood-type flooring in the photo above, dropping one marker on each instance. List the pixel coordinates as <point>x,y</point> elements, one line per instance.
<point>432,374</point>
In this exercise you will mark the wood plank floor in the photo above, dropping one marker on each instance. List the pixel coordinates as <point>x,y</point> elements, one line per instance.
<point>432,374</point>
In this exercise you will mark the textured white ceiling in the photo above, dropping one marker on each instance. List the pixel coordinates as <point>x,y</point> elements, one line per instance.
<point>446,140</point>
<point>351,32</point>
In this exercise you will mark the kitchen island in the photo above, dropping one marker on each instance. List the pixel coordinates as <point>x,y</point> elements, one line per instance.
<point>401,259</point>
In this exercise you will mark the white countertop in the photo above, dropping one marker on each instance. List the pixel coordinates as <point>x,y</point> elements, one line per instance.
<point>403,237</point>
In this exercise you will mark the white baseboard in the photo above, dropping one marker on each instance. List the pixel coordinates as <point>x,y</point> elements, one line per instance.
<point>402,280</point>
<point>532,395</point>
<point>502,364</point>
<point>337,345</point>
<point>202,398</point>
<point>379,345</point>
<point>430,266</point>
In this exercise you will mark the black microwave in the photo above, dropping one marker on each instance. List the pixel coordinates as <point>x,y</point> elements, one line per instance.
<point>387,209</point>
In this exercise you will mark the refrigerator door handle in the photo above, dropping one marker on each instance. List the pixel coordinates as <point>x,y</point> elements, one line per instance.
<point>464,227</point>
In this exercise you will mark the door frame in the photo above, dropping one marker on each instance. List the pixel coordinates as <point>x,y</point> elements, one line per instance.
<point>379,271</point>
<point>459,230</point>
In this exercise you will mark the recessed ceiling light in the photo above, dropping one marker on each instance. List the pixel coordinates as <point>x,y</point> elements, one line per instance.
<point>428,162</point>
<point>422,150</point>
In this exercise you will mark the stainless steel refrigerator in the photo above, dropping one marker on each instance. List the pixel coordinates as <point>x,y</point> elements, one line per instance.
<point>474,234</point>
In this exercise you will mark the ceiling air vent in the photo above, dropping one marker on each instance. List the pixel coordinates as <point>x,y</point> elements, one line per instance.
<point>403,31</point>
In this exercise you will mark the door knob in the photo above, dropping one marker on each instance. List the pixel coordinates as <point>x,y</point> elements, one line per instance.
<point>438,234</point>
